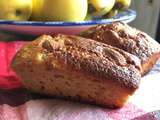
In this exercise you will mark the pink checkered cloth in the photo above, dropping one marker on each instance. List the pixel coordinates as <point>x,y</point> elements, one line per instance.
<point>19,104</point>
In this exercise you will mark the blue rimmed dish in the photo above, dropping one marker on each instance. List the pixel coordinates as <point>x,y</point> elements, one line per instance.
<point>38,27</point>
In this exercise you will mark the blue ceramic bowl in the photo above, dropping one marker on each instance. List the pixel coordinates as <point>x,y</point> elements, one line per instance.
<point>38,27</point>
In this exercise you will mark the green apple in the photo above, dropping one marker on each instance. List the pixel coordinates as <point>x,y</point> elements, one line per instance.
<point>112,13</point>
<point>122,4</point>
<point>101,7</point>
<point>15,9</point>
<point>88,17</point>
<point>59,10</point>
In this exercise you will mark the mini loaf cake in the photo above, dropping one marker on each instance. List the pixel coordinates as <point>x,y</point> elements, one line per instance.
<point>79,69</point>
<point>129,39</point>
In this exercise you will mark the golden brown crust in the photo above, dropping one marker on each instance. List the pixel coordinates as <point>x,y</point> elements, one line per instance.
<point>94,58</point>
<point>90,62</point>
<point>88,56</point>
<point>129,39</point>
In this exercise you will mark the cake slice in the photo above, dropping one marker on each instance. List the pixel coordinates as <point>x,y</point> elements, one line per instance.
<point>79,69</point>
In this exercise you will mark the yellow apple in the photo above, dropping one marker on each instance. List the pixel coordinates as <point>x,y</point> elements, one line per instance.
<point>15,9</point>
<point>101,7</point>
<point>59,10</point>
